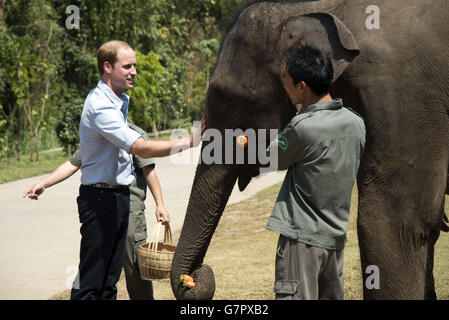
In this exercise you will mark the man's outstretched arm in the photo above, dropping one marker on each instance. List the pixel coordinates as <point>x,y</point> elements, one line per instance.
<point>61,173</point>
<point>152,149</point>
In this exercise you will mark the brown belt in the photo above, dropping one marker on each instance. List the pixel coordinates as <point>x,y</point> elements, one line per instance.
<point>107,185</point>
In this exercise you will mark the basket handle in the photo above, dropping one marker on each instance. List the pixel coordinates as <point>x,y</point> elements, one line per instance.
<point>154,237</point>
<point>168,239</point>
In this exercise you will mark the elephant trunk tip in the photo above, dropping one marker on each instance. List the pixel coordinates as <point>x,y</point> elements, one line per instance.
<point>204,288</point>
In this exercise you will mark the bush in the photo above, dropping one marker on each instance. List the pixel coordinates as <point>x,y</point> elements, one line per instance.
<point>181,123</point>
<point>68,124</point>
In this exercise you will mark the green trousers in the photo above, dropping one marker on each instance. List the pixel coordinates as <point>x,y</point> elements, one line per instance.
<point>305,272</point>
<point>138,289</point>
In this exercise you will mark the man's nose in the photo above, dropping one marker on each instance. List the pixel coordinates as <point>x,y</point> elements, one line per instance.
<point>134,71</point>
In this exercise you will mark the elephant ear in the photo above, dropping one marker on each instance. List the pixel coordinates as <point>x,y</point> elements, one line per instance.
<point>323,31</point>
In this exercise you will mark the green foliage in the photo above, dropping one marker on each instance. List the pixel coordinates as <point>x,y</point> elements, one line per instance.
<point>68,123</point>
<point>181,123</point>
<point>204,53</point>
<point>44,64</point>
<point>145,105</point>
<point>207,47</point>
<point>15,170</point>
<point>31,74</point>
<point>3,145</point>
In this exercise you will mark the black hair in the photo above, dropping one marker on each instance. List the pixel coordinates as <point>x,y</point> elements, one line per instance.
<point>310,65</point>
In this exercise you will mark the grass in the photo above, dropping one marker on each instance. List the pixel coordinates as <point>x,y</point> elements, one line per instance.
<point>11,169</point>
<point>441,263</point>
<point>161,137</point>
<point>242,254</point>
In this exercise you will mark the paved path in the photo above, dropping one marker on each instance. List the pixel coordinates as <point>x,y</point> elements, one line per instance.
<point>39,240</point>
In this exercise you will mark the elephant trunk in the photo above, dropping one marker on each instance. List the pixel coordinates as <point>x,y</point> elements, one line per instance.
<point>211,189</point>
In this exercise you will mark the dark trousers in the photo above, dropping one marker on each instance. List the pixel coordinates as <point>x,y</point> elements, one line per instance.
<point>103,214</point>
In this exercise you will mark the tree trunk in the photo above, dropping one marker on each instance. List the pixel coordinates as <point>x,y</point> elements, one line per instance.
<point>2,9</point>
<point>19,134</point>
<point>41,119</point>
<point>38,143</point>
<point>155,129</point>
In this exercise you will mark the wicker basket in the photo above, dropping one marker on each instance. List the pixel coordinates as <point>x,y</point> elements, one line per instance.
<point>155,257</point>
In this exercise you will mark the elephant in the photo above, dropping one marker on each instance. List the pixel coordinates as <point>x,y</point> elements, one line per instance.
<point>394,75</point>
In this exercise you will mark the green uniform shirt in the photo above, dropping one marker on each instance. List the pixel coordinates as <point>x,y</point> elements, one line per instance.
<point>321,147</point>
<point>138,188</point>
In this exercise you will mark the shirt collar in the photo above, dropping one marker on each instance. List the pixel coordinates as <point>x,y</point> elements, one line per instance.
<point>117,100</point>
<point>326,105</point>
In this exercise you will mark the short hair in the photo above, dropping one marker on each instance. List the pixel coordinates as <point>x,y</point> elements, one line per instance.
<point>310,65</point>
<point>108,52</point>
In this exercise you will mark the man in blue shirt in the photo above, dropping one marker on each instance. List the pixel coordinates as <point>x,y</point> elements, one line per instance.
<point>138,289</point>
<point>106,145</point>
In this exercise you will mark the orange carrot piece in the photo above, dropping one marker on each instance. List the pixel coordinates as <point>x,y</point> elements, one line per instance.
<point>186,278</point>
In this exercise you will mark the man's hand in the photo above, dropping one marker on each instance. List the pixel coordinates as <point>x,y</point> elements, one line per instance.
<point>197,135</point>
<point>162,214</point>
<point>61,173</point>
<point>34,191</point>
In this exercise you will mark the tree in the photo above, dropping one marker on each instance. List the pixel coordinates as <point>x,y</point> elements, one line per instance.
<point>31,70</point>
<point>46,67</point>
<point>145,105</point>
<point>68,123</point>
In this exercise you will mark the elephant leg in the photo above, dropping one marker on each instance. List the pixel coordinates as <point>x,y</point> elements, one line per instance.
<point>429,289</point>
<point>397,230</point>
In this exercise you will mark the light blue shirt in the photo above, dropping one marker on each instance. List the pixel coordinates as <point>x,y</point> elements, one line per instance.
<point>105,138</point>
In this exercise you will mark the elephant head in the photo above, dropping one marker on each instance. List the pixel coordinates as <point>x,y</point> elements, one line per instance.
<point>245,92</point>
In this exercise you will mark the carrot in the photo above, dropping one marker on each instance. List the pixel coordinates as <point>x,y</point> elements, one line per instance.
<point>186,278</point>
<point>242,141</point>
<point>187,281</point>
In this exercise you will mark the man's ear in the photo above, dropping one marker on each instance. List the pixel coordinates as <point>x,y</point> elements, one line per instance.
<point>301,85</point>
<point>107,67</point>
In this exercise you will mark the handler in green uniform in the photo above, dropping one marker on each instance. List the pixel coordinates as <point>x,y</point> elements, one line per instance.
<point>321,147</point>
<point>138,289</point>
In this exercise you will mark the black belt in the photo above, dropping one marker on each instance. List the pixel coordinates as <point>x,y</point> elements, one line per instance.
<point>106,186</point>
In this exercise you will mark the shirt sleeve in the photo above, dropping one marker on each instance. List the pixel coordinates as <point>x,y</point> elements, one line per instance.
<point>287,145</point>
<point>108,122</point>
<point>76,158</point>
